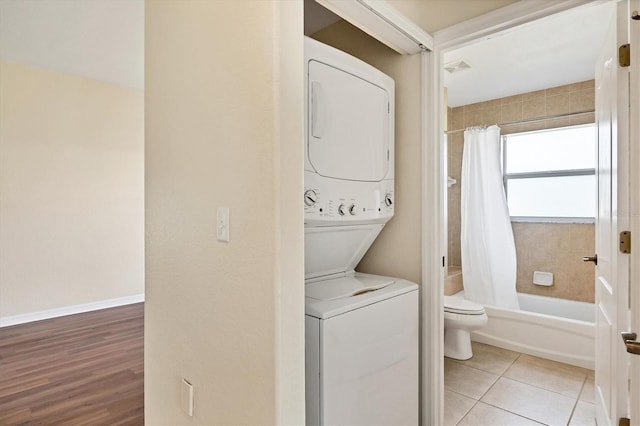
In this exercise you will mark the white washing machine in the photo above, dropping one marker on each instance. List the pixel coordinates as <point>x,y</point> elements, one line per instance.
<point>361,351</point>
<point>361,329</point>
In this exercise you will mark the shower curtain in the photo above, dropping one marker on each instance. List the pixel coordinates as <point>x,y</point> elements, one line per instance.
<point>488,248</point>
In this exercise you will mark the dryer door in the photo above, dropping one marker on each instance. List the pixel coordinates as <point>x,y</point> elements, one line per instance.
<point>348,125</point>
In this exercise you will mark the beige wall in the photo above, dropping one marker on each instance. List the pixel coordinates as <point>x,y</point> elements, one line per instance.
<point>71,191</point>
<point>224,125</point>
<point>556,248</point>
<point>397,251</point>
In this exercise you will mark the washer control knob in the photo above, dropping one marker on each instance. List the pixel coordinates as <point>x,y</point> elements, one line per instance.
<point>352,209</point>
<point>387,200</point>
<point>310,197</point>
<point>341,211</point>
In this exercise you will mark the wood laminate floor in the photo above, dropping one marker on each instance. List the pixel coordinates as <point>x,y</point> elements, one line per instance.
<point>84,369</point>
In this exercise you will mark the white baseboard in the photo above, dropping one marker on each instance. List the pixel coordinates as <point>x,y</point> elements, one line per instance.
<point>70,310</point>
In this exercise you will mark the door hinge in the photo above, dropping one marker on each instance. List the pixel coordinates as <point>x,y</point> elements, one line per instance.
<point>625,242</point>
<point>623,421</point>
<point>624,55</point>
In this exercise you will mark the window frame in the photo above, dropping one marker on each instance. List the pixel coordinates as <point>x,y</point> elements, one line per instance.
<point>543,174</point>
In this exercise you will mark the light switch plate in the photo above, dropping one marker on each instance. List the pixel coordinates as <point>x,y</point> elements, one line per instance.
<point>222,224</point>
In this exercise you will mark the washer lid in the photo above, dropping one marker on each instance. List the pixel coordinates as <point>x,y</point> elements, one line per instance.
<point>329,302</point>
<point>458,305</point>
<point>336,249</point>
<point>343,287</point>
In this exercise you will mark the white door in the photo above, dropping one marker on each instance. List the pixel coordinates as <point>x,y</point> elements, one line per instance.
<point>612,271</point>
<point>635,208</point>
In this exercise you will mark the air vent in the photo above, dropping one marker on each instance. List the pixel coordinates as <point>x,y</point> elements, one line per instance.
<point>457,65</point>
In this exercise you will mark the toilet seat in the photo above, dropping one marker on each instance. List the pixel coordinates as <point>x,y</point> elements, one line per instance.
<point>460,306</point>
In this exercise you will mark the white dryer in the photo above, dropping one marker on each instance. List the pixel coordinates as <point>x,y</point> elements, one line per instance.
<point>361,329</point>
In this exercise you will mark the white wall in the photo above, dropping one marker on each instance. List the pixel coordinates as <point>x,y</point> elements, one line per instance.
<point>224,127</point>
<point>71,191</point>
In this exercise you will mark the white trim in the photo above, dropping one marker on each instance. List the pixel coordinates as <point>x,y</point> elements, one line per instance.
<point>70,310</point>
<point>383,22</point>
<point>502,20</point>
<point>434,180</point>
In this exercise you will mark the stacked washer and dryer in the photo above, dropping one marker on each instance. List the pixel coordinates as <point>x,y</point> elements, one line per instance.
<point>361,329</point>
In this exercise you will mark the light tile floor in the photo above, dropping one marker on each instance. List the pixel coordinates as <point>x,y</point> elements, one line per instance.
<point>501,387</point>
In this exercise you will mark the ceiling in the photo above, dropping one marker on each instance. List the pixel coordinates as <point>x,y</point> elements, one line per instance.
<point>98,39</point>
<point>434,15</point>
<point>430,15</point>
<point>558,50</point>
<point>104,40</point>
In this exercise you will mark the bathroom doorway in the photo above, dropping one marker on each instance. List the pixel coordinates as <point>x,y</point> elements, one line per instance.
<point>533,100</point>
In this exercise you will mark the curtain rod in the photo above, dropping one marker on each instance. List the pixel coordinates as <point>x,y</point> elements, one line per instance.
<point>532,120</point>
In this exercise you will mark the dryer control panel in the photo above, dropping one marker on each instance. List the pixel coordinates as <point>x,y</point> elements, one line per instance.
<point>332,201</point>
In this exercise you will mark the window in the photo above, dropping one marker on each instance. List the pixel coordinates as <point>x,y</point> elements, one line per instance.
<point>549,175</point>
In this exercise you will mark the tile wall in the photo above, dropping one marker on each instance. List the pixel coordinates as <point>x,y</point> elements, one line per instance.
<point>555,248</point>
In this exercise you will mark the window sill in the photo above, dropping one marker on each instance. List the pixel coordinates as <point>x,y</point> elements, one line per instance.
<point>568,220</point>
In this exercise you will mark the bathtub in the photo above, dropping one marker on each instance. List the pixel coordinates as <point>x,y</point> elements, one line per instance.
<point>557,329</point>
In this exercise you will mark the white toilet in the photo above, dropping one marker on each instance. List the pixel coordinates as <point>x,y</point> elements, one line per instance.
<point>461,317</point>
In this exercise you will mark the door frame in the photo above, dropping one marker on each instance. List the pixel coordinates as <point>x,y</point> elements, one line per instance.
<point>434,179</point>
